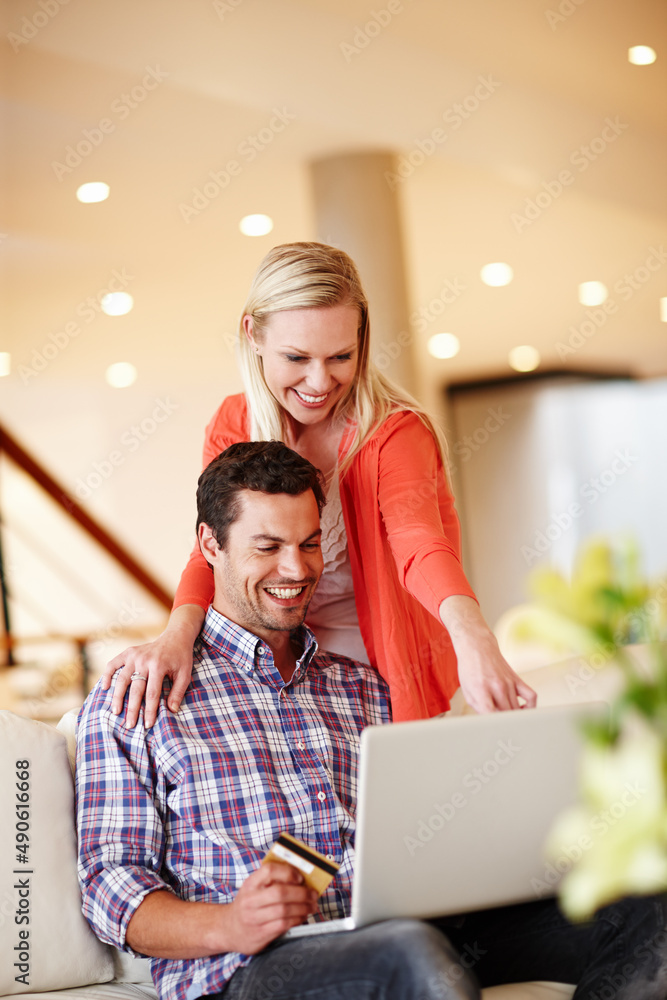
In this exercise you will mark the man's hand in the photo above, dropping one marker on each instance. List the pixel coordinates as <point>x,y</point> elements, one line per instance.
<point>488,682</point>
<point>271,900</point>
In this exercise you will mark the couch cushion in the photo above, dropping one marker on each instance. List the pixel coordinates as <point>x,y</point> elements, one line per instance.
<point>45,943</point>
<point>127,968</point>
<point>130,969</point>
<point>105,991</point>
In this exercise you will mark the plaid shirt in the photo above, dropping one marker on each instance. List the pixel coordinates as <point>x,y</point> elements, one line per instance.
<point>193,804</point>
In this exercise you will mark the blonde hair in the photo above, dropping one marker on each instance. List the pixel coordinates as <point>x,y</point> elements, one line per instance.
<point>307,276</point>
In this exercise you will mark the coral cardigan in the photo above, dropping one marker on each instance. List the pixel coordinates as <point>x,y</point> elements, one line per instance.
<point>404,543</point>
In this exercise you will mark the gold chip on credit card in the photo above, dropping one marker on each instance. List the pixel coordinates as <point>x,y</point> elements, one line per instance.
<point>317,870</point>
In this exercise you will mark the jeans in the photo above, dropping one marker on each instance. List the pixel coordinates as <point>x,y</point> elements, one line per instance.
<point>617,955</point>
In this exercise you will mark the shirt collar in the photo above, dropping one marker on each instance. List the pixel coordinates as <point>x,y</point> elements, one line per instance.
<point>246,650</point>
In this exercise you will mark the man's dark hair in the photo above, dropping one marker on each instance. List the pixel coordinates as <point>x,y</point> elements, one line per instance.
<point>264,466</point>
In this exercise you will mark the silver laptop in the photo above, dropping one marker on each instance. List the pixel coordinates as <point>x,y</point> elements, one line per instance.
<point>453,813</point>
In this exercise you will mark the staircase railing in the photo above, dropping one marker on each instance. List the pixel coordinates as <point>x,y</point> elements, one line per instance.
<point>104,538</point>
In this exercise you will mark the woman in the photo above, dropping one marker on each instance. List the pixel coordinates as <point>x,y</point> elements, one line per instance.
<point>393,592</point>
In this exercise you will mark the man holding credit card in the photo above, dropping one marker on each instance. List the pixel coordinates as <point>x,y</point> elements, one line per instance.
<point>206,838</point>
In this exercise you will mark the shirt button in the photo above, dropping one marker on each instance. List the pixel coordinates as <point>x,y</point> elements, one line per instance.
<point>261,650</point>
<point>321,796</point>
<point>330,857</point>
<point>300,746</point>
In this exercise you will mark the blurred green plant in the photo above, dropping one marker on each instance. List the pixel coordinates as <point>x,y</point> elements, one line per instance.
<point>615,840</point>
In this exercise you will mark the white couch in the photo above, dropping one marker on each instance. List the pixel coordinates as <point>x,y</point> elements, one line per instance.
<point>65,960</point>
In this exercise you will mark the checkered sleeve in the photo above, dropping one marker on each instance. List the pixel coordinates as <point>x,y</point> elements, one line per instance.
<point>120,830</point>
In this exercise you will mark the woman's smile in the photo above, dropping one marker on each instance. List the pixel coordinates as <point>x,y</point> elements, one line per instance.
<point>309,358</point>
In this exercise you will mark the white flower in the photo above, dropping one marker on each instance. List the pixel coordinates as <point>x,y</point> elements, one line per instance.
<point>619,833</point>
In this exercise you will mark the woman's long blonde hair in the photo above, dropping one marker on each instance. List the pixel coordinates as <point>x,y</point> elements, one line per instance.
<point>307,276</point>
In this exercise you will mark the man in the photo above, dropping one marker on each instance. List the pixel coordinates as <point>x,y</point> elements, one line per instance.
<point>175,821</point>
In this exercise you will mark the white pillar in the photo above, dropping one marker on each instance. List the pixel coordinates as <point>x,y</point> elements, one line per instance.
<point>356,210</point>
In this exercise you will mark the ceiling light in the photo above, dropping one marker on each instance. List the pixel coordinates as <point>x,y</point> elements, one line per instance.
<point>121,374</point>
<point>642,55</point>
<point>117,303</point>
<point>524,358</point>
<point>256,225</point>
<point>443,345</point>
<point>663,310</point>
<point>93,191</point>
<point>5,363</point>
<point>593,293</point>
<point>496,275</point>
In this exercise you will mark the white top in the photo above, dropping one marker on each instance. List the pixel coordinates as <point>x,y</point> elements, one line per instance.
<point>332,614</point>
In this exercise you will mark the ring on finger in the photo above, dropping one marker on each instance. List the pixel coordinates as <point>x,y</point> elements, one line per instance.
<point>138,677</point>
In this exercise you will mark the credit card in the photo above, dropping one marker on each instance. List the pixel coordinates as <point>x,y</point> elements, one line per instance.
<point>317,870</point>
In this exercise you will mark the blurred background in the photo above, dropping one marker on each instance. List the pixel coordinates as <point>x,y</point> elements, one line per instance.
<point>430,140</point>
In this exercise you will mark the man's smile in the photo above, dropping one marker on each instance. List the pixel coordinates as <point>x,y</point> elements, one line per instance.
<point>287,595</point>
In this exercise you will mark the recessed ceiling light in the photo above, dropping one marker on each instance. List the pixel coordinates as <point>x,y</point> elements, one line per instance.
<point>5,363</point>
<point>443,345</point>
<point>524,358</point>
<point>93,191</point>
<point>642,55</point>
<point>117,303</point>
<point>256,225</point>
<point>496,275</point>
<point>121,374</point>
<point>663,310</point>
<point>593,293</point>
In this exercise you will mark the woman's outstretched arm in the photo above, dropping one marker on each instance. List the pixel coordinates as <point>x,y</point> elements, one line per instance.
<point>423,532</point>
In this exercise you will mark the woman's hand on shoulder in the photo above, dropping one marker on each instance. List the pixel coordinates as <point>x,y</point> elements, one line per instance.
<point>143,669</point>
